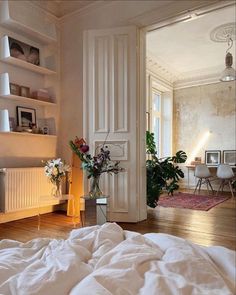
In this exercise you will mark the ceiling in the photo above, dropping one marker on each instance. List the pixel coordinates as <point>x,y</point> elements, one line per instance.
<point>185,49</point>
<point>60,8</point>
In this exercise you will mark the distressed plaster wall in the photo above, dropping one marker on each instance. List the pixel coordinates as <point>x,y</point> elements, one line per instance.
<point>204,119</point>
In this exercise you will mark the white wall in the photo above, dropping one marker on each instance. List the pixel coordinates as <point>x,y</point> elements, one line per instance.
<point>205,119</point>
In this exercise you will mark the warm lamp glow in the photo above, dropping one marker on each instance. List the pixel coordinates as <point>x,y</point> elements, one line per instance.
<point>199,146</point>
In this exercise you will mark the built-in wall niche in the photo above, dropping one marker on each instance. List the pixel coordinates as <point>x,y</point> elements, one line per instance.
<point>47,63</point>
<point>27,20</point>
<point>45,123</point>
<point>13,91</point>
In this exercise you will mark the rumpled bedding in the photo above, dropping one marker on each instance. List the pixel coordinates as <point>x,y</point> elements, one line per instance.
<point>107,260</point>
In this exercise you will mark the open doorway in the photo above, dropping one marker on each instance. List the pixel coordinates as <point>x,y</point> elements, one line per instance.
<point>188,107</point>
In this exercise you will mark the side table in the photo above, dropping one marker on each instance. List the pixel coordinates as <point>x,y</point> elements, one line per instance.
<point>95,209</point>
<point>49,200</point>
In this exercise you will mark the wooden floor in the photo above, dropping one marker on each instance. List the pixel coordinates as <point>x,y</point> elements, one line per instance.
<point>214,227</point>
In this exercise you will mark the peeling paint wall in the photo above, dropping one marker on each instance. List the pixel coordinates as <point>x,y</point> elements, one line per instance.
<point>204,119</point>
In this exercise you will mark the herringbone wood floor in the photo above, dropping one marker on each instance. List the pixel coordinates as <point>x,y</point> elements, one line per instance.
<point>214,227</point>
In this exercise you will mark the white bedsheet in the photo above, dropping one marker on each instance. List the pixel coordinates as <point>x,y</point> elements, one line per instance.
<point>107,260</point>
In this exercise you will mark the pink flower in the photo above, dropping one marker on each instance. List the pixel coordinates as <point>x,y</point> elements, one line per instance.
<point>84,148</point>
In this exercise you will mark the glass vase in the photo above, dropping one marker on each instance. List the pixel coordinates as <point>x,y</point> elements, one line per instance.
<point>95,191</point>
<point>57,190</point>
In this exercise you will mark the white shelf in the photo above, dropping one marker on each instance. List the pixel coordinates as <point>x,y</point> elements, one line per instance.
<point>27,21</point>
<point>28,134</point>
<point>26,65</point>
<point>29,32</point>
<point>27,100</point>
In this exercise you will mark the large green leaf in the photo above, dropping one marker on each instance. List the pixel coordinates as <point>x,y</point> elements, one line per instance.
<point>162,174</point>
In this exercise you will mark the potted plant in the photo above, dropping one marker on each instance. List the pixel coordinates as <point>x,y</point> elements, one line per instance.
<point>162,174</point>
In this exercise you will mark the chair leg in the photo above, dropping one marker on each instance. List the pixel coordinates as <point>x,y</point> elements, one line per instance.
<point>223,184</point>
<point>200,184</point>
<point>207,185</point>
<point>210,186</point>
<point>231,189</point>
<point>219,187</point>
<point>196,186</point>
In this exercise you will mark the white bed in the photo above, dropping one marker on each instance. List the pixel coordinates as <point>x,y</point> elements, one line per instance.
<point>107,260</point>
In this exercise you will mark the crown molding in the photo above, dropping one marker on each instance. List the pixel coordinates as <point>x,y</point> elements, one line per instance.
<point>48,13</point>
<point>85,10</point>
<point>182,80</point>
<point>80,11</point>
<point>161,69</point>
<point>197,81</point>
<point>159,80</point>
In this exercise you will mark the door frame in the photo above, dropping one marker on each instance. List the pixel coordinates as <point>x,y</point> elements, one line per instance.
<point>145,23</point>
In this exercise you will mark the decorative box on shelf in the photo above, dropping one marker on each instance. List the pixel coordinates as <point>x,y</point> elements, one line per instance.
<point>42,95</point>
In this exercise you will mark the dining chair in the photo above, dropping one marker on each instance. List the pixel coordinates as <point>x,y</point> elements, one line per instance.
<point>203,174</point>
<point>226,175</point>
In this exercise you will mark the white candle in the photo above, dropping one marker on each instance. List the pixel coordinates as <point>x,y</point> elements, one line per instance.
<point>4,121</point>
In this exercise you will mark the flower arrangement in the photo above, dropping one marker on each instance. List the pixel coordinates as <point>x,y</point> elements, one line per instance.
<point>56,170</point>
<point>94,165</point>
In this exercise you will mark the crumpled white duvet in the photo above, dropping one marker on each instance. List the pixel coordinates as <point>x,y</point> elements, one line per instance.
<point>106,260</point>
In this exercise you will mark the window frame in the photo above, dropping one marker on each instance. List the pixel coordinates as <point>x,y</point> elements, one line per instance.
<point>156,114</point>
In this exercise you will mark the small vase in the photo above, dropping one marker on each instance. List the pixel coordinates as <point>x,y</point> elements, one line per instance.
<point>95,191</point>
<point>57,190</point>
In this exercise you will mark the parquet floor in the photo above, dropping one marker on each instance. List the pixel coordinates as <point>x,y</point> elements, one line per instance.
<point>214,227</point>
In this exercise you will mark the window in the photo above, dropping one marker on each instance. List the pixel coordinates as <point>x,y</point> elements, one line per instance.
<point>156,118</point>
<point>159,111</point>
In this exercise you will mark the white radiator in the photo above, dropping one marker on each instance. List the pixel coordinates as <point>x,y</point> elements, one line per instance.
<point>21,188</point>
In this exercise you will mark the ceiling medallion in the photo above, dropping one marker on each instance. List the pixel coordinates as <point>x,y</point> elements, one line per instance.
<point>223,32</point>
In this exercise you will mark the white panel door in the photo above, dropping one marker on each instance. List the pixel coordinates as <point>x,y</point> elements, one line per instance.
<point>112,106</point>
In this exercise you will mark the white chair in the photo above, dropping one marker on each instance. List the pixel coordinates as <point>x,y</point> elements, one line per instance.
<point>203,173</point>
<point>226,175</point>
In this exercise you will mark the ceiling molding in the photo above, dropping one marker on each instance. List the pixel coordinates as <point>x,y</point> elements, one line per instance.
<point>85,10</point>
<point>166,85</point>
<point>187,79</point>
<point>48,8</point>
<point>175,11</point>
<point>56,10</point>
<point>161,69</point>
<point>197,81</point>
<point>48,13</point>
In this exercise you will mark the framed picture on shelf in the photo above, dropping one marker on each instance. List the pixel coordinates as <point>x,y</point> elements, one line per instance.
<point>24,91</point>
<point>14,89</point>
<point>46,130</point>
<point>24,51</point>
<point>212,157</point>
<point>26,117</point>
<point>12,123</point>
<point>229,157</point>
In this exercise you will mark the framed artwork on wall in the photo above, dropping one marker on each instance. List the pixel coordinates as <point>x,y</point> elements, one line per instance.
<point>26,117</point>
<point>229,157</point>
<point>212,157</point>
